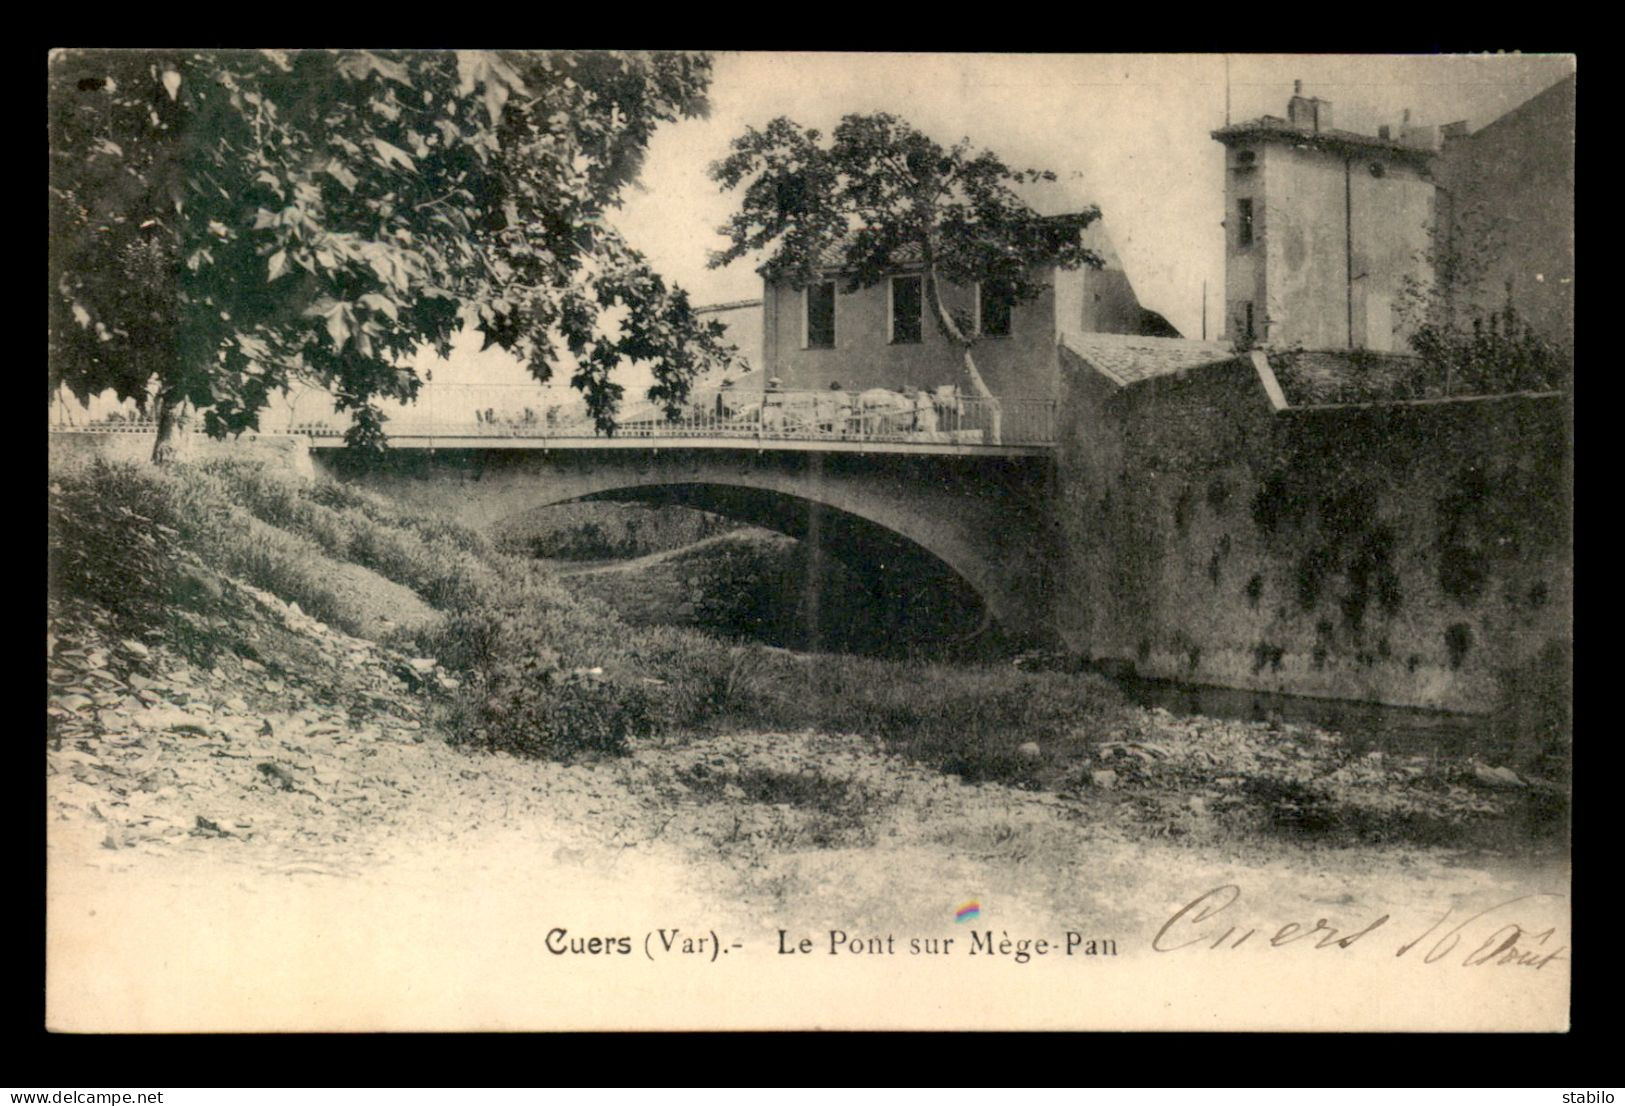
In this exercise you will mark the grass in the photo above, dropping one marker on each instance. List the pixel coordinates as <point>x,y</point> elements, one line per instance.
<point>545,672</point>
<point>140,541</point>
<point>603,531</point>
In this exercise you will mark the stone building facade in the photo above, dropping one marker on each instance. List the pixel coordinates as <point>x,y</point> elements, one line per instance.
<point>886,336</point>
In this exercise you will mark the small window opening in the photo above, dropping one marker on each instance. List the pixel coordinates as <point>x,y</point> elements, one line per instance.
<point>993,309</point>
<point>821,315</point>
<point>906,304</point>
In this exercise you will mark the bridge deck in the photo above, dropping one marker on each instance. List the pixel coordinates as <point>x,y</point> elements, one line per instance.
<point>407,439</point>
<point>824,422</point>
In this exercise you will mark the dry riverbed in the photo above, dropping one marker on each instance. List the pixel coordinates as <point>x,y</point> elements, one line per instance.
<point>291,842</point>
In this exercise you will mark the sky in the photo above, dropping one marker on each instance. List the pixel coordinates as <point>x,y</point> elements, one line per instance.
<point>1131,133</point>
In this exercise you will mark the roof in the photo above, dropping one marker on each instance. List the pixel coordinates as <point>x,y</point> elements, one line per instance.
<point>1556,101</point>
<point>1274,127</point>
<point>1130,358</point>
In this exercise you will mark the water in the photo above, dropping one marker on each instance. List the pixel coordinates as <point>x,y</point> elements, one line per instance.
<point>1402,731</point>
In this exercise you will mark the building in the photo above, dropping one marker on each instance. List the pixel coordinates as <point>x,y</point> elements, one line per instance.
<point>1324,228</point>
<point>1333,238</point>
<point>1506,209</point>
<point>885,336</point>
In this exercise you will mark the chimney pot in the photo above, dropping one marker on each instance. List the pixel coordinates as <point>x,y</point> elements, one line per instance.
<point>1297,88</point>
<point>1407,118</point>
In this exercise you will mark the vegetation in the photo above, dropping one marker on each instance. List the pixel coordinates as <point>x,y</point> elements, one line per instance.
<point>543,673</point>
<point>1496,355</point>
<point>226,222</point>
<point>1465,348</point>
<point>883,197</point>
<point>606,531</point>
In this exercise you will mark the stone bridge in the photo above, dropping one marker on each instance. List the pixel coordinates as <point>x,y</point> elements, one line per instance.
<point>1188,523</point>
<point>928,513</point>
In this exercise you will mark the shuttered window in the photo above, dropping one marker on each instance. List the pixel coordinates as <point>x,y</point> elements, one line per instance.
<point>907,301</point>
<point>993,310</point>
<point>821,316</point>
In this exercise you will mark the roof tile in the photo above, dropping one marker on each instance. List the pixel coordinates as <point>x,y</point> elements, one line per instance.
<point>1130,358</point>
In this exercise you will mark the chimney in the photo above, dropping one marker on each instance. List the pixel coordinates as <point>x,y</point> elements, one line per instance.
<point>1453,132</point>
<point>1300,111</point>
<point>1308,114</point>
<point>1383,133</point>
<point>1417,136</point>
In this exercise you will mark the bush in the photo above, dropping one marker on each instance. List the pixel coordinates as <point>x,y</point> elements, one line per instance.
<point>143,541</point>
<point>557,714</point>
<point>603,530</point>
<point>525,647</point>
<point>112,541</point>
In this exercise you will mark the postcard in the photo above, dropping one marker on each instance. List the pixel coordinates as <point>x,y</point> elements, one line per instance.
<point>556,540</point>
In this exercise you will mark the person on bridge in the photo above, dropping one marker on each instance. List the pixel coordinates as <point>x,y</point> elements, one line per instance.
<point>925,412</point>
<point>836,411</point>
<point>723,410</point>
<point>773,406</point>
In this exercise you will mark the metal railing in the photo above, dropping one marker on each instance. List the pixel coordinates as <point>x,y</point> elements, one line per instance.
<point>789,416</point>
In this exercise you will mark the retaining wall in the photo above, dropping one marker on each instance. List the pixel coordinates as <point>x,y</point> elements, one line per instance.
<point>1412,554</point>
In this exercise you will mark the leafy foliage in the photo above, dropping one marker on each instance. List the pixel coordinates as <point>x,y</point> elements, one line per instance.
<point>223,223</point>
<point>884,197</point>
<point>1498,355</point>
<point>1466,349</point>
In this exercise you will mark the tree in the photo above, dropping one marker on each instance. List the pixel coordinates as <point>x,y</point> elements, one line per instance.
<point>882,196</point>
<point>1465,344</point>
<point>224,223</point>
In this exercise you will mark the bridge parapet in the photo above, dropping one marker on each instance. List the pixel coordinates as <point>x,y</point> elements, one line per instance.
<point>720,416</point>
<point>773,416</point>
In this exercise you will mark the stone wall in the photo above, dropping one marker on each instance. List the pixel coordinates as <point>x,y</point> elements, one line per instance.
<point>1412,554</point>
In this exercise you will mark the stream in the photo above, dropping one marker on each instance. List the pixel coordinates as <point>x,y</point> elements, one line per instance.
<point>1367,727</point>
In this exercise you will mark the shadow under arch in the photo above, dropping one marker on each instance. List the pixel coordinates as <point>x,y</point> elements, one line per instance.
<point>914,601</point>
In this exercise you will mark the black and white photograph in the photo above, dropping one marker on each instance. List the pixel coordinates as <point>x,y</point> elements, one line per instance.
<point>580,540</point>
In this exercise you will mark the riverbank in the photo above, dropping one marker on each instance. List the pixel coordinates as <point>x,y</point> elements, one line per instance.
<point>259,818</point>
<point>316,854</point>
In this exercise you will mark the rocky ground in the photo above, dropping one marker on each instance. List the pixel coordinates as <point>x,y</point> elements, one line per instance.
<point>302,773</point>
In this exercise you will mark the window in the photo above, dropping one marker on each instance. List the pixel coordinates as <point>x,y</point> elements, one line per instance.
<point>906,303</point>
<point>993,310</point>
<point>1248,325</point>
<point>1244,222</point>
<point>819,317</point>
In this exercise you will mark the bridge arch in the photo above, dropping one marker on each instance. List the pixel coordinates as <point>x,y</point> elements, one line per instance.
<point>910,596</point>
<point>984,519</point>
